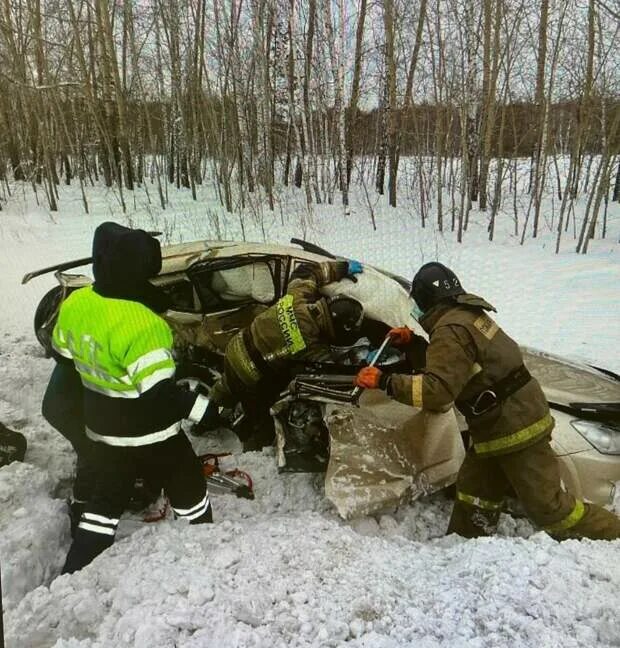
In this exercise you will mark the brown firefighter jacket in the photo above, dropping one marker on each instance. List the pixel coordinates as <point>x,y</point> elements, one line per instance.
<point>467,354</point>
<point>297,327</point>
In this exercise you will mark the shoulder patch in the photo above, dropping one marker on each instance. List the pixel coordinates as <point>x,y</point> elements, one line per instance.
<point>293,338</point>
<point>486,326</point>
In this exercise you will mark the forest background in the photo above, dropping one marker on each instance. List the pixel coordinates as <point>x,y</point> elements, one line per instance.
<point>447,98</point>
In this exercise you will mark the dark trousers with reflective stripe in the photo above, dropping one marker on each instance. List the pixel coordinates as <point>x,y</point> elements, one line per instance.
<point>533,476</point>
<point>171,463</point>
<point>63,409</point>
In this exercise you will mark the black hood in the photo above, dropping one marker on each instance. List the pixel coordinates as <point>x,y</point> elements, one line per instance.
<point>123,261</point>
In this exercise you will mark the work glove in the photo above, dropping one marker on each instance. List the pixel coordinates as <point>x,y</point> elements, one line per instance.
<point>211,420</point>
<point>348,269</point>
<point>401,335</point>
<point>370,378</point>
<point>355,267</point>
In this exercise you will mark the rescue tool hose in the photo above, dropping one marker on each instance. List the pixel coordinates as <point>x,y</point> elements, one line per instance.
<point>357,392</point>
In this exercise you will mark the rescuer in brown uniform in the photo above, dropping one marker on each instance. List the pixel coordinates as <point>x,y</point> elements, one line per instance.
<point>472,363</point>
<point>300,326</point>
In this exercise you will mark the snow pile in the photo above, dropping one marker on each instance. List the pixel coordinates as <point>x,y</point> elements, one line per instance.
<point>24,373</point>
<point>34,529</point>
<point>284,570</point>
<point>304,580</point>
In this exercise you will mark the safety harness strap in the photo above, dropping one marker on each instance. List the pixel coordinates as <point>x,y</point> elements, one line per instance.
<point>495,394</point>
<point>254,354</point>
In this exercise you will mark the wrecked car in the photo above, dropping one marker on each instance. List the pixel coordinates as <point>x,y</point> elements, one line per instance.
<point>375,452</point>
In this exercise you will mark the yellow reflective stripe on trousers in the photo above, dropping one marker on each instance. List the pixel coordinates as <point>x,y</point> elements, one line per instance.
<point>489,505</point>
<point>516,438</point>
<point>416,390</point>
<point>570,520</point>
<point>287,321</point>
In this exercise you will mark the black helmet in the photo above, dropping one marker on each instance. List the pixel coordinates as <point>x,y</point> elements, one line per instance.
<point>347,315</point>
<point>433,283</point>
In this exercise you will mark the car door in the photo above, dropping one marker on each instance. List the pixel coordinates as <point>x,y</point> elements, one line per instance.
<point>232,292</point>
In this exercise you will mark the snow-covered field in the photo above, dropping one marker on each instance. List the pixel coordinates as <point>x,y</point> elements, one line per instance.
<point>284,570</point>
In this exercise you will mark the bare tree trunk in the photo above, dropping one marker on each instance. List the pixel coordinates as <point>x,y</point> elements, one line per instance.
<point>391,108</point>
<point>262,27</point>
<point>471,127</point>
<point>570,192</point>
<point>602,181</point>
<point>116,109</point>
<point>539,99</point>
<point>337,68</point>
<point>491,69</point>
<point>382,131</point>
<point>302,166</point>
<point>407,102</point>
<point>616,195</point>
<point>308,131</point>
<point>540,154</point>
<point>355,87</point>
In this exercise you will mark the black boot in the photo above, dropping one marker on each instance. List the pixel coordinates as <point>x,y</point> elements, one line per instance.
<point>75,513</point>
<point>85,548</point>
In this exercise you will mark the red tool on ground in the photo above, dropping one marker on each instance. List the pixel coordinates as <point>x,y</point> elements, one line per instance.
<point>225,482</point>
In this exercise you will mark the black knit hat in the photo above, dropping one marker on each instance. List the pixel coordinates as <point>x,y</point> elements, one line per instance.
<point>124,260</point>
<point>124,256</point>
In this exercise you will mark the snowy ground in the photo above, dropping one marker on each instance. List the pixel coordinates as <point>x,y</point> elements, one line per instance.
<point>284,570</point>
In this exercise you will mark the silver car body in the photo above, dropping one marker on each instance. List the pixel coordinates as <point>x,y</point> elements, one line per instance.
<point>436,449</point>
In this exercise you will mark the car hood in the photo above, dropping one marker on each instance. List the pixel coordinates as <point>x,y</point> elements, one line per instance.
<point>566,381</point>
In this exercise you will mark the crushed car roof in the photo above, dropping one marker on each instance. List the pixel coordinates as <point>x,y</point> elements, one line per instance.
<point>180,256</point>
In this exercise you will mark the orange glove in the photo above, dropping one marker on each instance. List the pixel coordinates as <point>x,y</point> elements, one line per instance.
<point>401,335</point>
<point>370,378</point>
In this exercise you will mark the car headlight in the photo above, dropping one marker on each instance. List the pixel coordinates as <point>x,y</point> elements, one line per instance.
<point>605,438</point>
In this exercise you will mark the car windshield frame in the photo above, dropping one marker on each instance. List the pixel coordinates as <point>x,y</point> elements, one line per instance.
<point>208,267</point>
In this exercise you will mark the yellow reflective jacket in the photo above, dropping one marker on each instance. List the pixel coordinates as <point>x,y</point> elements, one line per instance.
<point>123,353</point>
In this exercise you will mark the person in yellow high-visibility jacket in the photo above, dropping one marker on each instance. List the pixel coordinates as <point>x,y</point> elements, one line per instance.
<point>122,350</point>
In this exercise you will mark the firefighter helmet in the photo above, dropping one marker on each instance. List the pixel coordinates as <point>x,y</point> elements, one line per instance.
<point>433,283</point>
